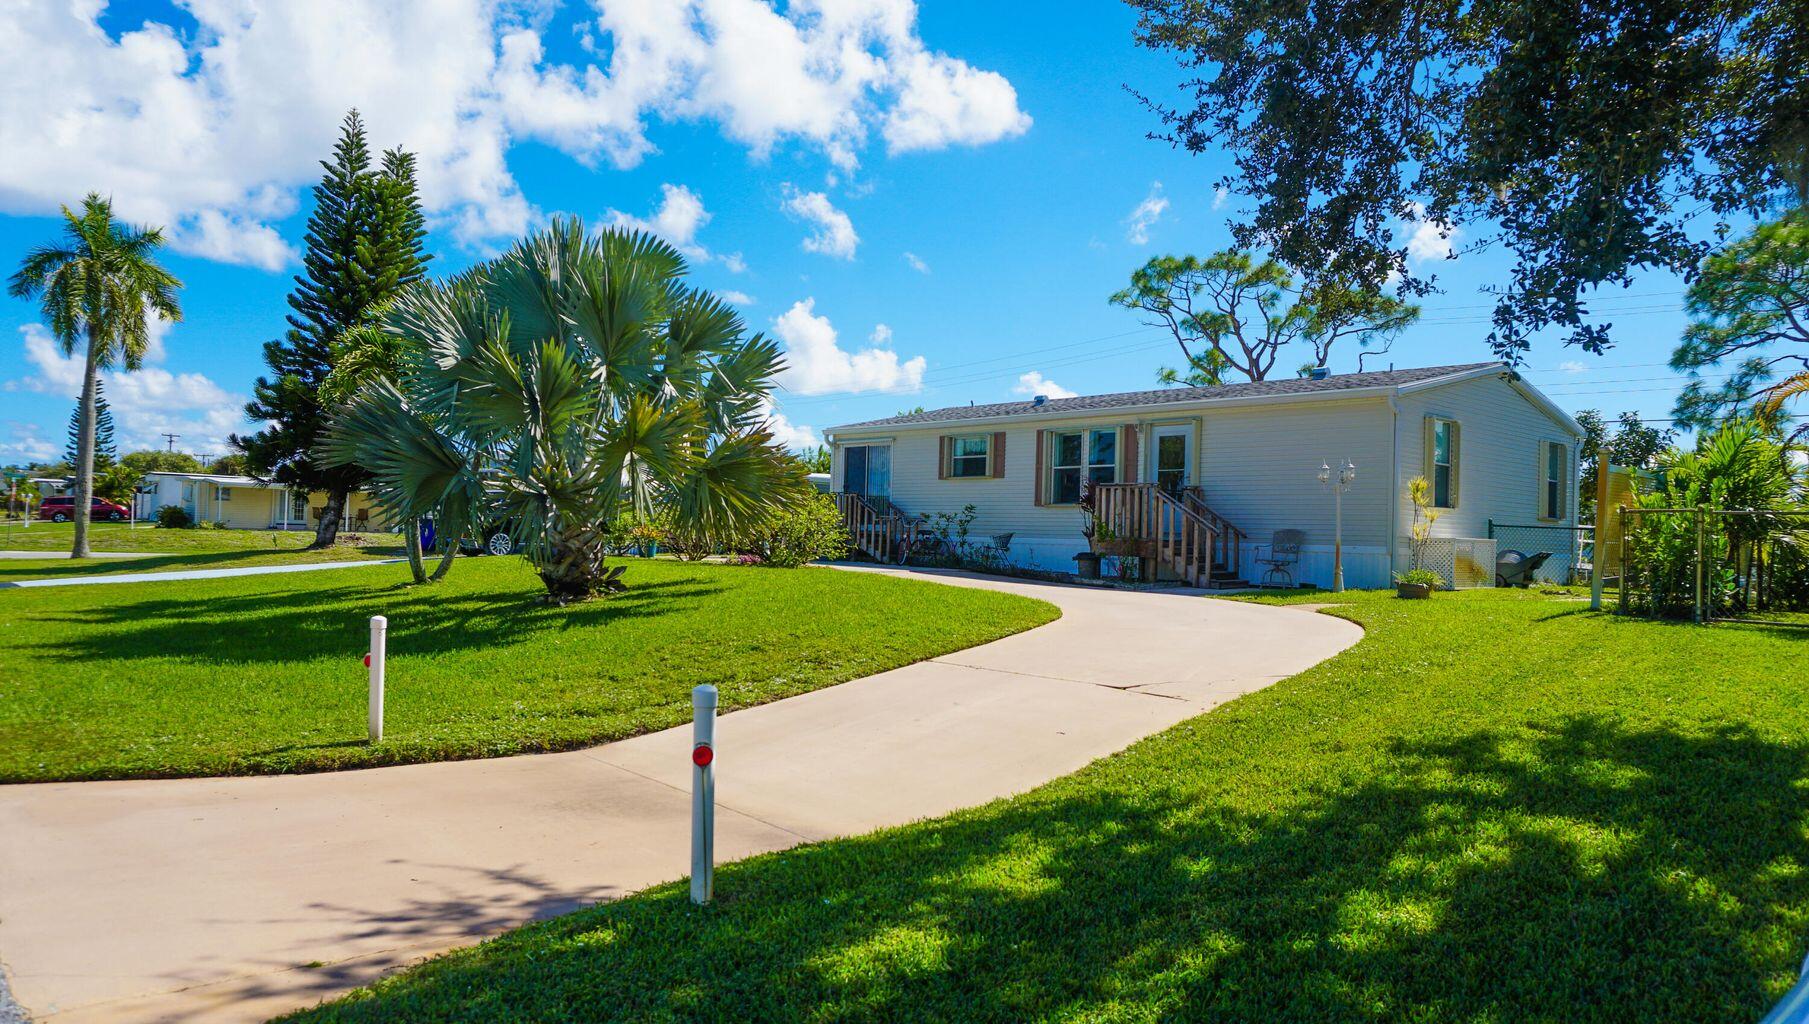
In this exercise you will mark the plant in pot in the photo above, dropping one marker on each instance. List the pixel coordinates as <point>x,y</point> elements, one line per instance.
<point>1416,583</point>
<point>646,538</point>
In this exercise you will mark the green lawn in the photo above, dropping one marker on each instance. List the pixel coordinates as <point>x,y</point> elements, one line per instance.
<point>264,674</point>
<point>1498,807</point>
<point>43,536</point>
<point>15,569</point>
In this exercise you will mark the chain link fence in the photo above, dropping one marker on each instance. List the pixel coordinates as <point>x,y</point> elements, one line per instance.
<point>1569,549</point>
<point>1716,565</point>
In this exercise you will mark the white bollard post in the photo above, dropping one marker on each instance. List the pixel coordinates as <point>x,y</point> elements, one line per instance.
<point>379,641</point>
<point>703,793</point>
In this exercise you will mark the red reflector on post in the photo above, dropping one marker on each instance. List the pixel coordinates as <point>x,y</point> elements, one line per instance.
<point>367,661</point>
<point>702,755</point>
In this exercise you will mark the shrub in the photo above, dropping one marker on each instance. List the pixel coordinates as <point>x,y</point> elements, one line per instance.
<point>805,530</point>
<point>174,517</point>
<point>1419,578</point>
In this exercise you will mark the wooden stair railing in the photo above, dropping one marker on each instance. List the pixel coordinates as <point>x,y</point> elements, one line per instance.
<point>1228,540</point>
<point>1183,540</point>
<point>884,536</point>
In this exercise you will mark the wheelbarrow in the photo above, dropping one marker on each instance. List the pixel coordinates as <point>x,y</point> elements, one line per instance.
<point>1516,568</point>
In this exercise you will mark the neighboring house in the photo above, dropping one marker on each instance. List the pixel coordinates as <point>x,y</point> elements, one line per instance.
<point>246,503</point>
<point>54,486</point>
<point>1238,458</point>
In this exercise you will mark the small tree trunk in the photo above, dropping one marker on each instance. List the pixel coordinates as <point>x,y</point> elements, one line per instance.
<point>84,448</point>
<point>411,542</point>
<point>439,572</point>
<point>327,531</point>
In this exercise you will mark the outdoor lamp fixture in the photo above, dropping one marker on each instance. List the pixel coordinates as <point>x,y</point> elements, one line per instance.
<point>1346,474</point>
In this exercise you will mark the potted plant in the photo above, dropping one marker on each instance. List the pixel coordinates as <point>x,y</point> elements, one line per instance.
<point>1088,565</point>
<point>1416,584</point>
<point>646,538</point>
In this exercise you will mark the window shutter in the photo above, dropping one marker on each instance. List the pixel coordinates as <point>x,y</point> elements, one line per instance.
<point>997,452</point>
<point>1567,477</point>
<point>1042,444</point>
<point>1127,453</point>
<point>1427,469</point>
<point>1542,453</point>
<point>1457,447</point>
<point>942,446</point>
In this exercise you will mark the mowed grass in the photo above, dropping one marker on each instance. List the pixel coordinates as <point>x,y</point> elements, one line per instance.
<point>105,537</point>
<point>1497,807</point>
<point>264,673</point>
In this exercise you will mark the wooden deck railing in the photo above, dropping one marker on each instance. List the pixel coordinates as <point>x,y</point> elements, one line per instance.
<point>1228,540</point>
<point>1182,541</point>
<point>885,535</point>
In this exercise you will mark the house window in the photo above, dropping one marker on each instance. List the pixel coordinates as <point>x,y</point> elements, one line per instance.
<point>225,493</point>
<point>1551,503</point>
<point>1444,461</point>
<point>298,505</point>
<point>970,456</point>
<point>1081,455</point>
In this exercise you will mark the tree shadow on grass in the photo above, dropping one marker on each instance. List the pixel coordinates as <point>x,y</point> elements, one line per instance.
<point>301,624</point>
<point>1575,872</point>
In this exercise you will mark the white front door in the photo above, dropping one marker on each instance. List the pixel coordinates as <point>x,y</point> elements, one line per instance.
<point>1174,457</point>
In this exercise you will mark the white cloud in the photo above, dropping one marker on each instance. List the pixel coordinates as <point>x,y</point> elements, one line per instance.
<point>735,298</point>
<point>1034,383</point>
<point>24,443</point>
<point>146,403</point>
<point>680,215</point>
<point>944,101</point>
<point>834,234</point>
<point>1429,239</point>
<point>786,434</point>
<point>212,130</point>
<point>1220,196</point>
<point>678,219</point>
<point>915,263</point>
<point>1146,214</point>
<point>881,336</point>
<point>817,364</point>
<point>1573,366</point>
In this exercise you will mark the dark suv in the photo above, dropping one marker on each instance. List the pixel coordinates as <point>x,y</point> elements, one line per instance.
<point>61,510</point>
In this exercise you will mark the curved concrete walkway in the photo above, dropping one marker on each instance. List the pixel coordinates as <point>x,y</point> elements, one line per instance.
<point>234,899</point>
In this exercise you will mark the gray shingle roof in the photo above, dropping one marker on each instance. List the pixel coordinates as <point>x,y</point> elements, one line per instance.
<point>1165,396</point>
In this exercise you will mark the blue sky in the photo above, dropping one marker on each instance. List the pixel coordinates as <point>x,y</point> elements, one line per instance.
<point>928,204</point>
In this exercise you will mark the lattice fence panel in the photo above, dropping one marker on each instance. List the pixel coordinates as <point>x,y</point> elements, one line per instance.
<point>1464,563</point>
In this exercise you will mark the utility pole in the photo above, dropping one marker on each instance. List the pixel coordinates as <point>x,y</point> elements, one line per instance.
<point>171,440</point>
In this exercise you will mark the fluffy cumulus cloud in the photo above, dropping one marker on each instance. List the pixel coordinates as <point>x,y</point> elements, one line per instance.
<point>1034,383</point>
<point>795,436</point>
<point>213,128</point>
<point>1146,215</point>
<point>24,442</point>
<point>817,364</point>
<point>146,403</point>
<point>1429,239</point>
<point>832,232</point>
<point>677,219</point>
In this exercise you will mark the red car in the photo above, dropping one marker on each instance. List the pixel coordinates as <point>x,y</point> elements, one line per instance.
<point>62,510</point>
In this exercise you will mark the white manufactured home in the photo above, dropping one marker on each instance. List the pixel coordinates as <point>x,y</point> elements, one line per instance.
<point>1208,476</point>
<point>247,503</point>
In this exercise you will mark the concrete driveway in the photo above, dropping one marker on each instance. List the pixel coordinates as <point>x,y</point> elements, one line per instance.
<point>234,899</point>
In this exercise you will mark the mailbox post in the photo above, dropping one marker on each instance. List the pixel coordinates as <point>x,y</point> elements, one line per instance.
<point>703,793</point>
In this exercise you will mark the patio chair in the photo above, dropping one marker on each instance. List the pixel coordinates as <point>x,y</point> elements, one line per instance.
<point>1516,568</point>
<point>1281,555</point>
<point>362,518</point>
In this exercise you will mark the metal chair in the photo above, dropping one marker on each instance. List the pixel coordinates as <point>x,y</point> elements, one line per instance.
<point>1281,555</point>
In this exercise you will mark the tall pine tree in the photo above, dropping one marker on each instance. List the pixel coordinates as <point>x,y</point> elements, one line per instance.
<point>106,450</point>
<point>364,245</point>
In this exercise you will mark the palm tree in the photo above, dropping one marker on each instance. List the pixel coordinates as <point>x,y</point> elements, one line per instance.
<point>101,283</point>
<point>571,378</point>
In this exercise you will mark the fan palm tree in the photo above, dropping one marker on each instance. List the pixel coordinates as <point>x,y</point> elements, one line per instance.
<point>1770,407</point>
<point>567,380</point>
<point>99,284</point>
